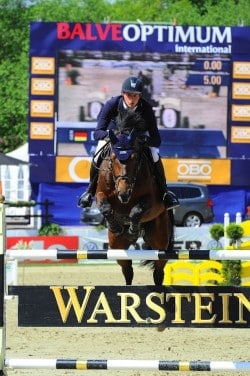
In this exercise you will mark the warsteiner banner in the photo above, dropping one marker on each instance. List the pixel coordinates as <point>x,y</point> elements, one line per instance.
<point>179,306</point>
<point>195,77</point>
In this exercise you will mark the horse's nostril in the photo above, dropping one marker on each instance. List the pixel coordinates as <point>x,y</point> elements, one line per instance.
<point>124,197</point>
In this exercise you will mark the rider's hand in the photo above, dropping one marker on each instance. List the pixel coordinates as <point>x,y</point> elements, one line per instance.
<point>143,140</point>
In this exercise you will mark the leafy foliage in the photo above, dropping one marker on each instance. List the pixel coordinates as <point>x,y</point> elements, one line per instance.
<point>234,232</point>
<point>231,272</point>
<point>231,269</point>
<point>216,231</point>
<point>50,229</point>
<point>16,15</point>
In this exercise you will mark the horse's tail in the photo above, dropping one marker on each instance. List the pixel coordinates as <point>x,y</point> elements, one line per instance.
<point>170,245</point>
<point>171,238</point>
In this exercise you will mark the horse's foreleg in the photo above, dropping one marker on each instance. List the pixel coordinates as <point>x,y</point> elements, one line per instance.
<point>107,211</point>
<point>135,225</point>
<point>127,270</point>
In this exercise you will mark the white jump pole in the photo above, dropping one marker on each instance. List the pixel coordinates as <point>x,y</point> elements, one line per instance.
<point>129,364</point>
<point>122,254</point>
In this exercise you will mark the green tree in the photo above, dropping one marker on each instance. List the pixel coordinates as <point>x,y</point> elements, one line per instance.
<point>216,231</point>
<point>231,269</point>
<point>70,10</point>
<point>13,74</point>
<point>234,232</point>
<point>16,15</point>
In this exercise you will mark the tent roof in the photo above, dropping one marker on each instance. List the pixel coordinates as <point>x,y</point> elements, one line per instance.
<point>9,161</point>
<point>20,153</point>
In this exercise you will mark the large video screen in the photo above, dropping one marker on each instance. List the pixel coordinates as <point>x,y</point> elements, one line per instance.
<point>196,78</point>
<point>187,91</point>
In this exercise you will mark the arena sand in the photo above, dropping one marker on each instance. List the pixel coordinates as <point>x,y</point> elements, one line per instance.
<point>114,343</point>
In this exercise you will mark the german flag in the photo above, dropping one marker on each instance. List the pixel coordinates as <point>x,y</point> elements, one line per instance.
<point>80,136</point>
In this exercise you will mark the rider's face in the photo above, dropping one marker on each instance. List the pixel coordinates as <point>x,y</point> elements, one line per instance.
<point>131,99</point>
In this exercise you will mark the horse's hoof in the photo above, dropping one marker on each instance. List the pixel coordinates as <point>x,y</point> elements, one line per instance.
<point>132,237</point>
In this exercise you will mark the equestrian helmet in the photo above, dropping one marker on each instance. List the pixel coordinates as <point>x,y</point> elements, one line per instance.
<point>132,85</point>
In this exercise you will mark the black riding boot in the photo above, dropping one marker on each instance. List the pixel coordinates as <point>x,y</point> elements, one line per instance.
<point>85,200</point>
<point>169,198</point>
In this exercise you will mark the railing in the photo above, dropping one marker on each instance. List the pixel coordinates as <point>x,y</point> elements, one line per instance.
<point>26,217</point>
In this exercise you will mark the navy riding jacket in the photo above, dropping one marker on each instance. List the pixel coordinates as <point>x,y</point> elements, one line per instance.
<point>109,112</point>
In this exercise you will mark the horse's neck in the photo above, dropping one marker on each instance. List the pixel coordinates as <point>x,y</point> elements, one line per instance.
<point>148,159</point>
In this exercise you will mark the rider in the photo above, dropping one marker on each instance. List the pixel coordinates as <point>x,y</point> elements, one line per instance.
<point>130,99</point>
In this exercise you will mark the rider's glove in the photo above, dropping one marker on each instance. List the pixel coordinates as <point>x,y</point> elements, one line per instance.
<point>143,140</point>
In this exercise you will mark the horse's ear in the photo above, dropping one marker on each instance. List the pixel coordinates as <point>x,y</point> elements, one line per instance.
<point>112,137</point>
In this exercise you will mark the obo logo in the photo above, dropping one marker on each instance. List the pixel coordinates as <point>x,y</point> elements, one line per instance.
<point>198,170</point>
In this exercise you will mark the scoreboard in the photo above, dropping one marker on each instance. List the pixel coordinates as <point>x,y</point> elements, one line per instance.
<point>210,72</point>
<point>196,78</point>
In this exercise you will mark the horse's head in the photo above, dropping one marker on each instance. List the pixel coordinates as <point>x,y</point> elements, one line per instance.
<point>124,163</point>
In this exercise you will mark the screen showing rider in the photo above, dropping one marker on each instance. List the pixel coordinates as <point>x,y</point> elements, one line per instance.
<point>130,99</point>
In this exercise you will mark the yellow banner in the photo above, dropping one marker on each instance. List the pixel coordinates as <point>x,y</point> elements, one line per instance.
<point>241,90</point>
<point>240,134</point>
<point>206,171</point>
<point>72,169</point>
<point>241,69</point>
<point>240,112</point>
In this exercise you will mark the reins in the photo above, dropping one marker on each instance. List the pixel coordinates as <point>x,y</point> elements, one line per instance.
<point>104,154</point>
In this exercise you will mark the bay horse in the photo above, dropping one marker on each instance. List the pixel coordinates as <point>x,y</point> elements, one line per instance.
<point>128,197</point>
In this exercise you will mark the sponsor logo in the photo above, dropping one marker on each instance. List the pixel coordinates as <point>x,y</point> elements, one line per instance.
<point>240,134</point>
<point>72,169</point>
<point>240,112</point>
<point>194,170</point>
<point>42,131</point>
<point>41,108</point>
<point>241,69</point>
<point>43,65</point>
<point>42,86</point>
<point>241,90</point>
<point>142,32</point>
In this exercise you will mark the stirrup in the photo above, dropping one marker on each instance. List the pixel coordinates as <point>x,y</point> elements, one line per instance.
<point>85,200</point>
<point>170,200</point>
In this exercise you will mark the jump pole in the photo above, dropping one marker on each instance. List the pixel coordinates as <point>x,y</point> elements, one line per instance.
<point>121,364</point>
<point>121,254</point>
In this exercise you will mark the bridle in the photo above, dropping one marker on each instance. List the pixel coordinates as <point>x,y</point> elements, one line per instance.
<point>123,175</point>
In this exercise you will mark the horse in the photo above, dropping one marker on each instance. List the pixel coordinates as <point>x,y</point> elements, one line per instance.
<point>128,197</point>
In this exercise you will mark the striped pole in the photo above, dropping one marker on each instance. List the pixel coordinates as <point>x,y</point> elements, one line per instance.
<point>160,365</point>
<point>121,254</point>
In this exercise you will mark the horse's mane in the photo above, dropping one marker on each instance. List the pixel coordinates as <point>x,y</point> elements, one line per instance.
<point>128,120</point>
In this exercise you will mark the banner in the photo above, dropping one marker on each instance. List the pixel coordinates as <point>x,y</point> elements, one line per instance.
<point>123,306</point>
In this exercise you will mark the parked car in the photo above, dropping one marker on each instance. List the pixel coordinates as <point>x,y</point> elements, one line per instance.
<point>196,206</point>
<point>92,216</point>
